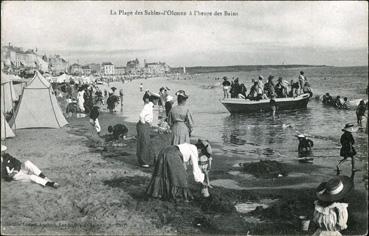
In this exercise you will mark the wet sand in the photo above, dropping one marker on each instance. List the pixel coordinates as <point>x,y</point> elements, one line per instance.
<point>102,191</point>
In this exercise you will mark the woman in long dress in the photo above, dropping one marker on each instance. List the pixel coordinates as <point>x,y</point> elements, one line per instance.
<point>81,100</point>
<point>169,179</point>
<point>180,120</point>
<point>144,151</point>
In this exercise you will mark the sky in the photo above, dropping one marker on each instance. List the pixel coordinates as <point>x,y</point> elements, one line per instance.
<point>317,33</point>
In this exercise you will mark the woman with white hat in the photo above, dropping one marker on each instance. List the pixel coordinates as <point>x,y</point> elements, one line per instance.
<point>330,213</point>
<point>347,142</point>
<point>169,179</point>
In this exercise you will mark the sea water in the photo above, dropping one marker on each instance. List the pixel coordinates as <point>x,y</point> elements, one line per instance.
<point>251,137</point>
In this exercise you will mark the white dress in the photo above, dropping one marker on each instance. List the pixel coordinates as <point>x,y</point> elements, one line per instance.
<point>81,100</point>
<point>330,219</point>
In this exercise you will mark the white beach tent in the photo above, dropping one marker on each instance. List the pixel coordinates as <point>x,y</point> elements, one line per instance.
<point>61,78</point>
<point>38,107</point>
<point>8,95</point>
<point>6,131</point>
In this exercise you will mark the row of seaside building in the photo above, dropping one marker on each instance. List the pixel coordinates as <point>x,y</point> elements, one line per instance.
<point>15,60</point>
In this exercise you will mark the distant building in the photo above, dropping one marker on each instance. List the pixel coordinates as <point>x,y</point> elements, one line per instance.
<point>133,67</point>
<point>120,70</point>
<point>95,68</point>
<point>15,59</point>
<point>156,68</point>
<point>108,68</point>
<point>86,70</point>
<point>75,69</point>
<point>57,64</point>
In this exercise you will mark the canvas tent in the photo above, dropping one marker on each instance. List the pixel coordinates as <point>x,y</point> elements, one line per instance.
<point>38,107</point>
<point>8,95</point>
<point>6,131</point>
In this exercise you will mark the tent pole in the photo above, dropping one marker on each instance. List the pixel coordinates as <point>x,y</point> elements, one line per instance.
<point>52,105</point>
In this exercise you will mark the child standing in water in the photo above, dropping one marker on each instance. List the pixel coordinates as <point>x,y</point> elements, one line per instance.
<point>205,162</point>
<point>347,142</point>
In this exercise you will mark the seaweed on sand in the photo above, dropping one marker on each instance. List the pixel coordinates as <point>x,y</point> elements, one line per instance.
<point>265,169</point>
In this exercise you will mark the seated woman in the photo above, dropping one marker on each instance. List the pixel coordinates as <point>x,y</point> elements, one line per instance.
<point>242,92</point>
<point>253,91</point>
<point>169,179</point>
<point>330,213</point>
<point>280,88</point>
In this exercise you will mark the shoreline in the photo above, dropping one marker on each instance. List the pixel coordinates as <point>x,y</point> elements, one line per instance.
<point>102,191</point>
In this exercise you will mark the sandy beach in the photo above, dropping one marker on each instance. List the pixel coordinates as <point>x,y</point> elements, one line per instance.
<point>102,188</point>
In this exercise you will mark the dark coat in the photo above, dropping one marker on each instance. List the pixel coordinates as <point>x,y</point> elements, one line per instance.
<point>347,142</point>
<point>11,162</point>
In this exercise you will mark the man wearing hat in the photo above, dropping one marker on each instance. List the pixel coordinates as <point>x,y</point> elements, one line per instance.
<point>330,214</point>
<point>13,169</point>
<point>347,142</point>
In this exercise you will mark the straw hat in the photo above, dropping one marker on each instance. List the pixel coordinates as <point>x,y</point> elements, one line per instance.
<point>182,93</point>
<point>300,136</point>
<point>335,189</point>
<point>349,128</point>
<point>3,148</point>
<point>207,147</point>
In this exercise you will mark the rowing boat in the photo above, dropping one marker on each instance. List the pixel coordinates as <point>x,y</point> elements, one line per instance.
<point>237,105</point>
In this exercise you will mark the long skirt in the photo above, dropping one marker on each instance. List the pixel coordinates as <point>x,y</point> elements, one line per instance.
<point>180,133</point>
<point>169,179</point>
<point>144,150</point>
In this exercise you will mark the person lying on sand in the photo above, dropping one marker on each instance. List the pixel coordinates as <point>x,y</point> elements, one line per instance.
<point>13,169</point>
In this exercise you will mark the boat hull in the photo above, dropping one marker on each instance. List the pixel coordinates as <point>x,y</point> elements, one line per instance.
<point>246,106</point>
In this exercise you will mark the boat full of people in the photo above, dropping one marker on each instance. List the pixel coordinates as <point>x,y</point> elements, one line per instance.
<point>239,105</point>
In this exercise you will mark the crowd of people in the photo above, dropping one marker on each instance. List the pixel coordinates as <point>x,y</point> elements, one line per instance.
<point>338,102</point>
<point>169,180</point>
<point>265,90</point>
